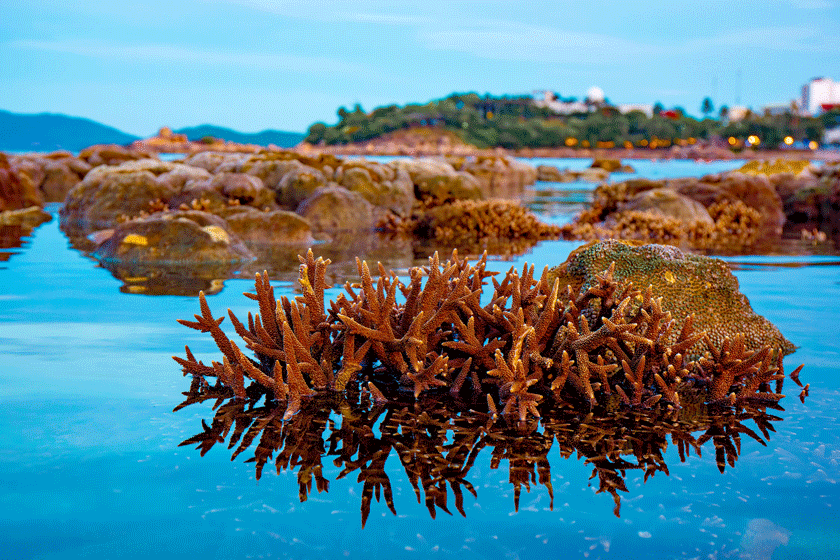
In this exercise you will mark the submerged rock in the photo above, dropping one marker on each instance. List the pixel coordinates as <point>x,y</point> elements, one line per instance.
<point>689,285</point>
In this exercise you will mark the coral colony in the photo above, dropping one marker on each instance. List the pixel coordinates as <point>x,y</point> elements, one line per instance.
<point>534,344</point>
<point>599,366</point>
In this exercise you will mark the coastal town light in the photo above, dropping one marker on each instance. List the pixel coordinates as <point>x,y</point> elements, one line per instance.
<point>813,144</point>
<point>788,140</point>
<point>753,140</point>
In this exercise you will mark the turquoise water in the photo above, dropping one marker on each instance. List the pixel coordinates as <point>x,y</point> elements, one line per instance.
<point>92,467</point>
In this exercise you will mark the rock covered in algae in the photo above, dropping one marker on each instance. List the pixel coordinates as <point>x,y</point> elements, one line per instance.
<point>689,285</point>
<point>183,237</point>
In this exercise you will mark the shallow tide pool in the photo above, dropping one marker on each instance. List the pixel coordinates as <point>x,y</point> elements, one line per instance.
<point>92,467</point>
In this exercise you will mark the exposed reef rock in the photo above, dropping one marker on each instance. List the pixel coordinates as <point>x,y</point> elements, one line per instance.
<point>532,345</point>
<point>28,218</point>
<point>188,237</point>
<point>52,175</point>
<point>810,195</point>
<point>335,209</point>
<point>383,185</point>
<point>598,171</point>
<point>437,180</point>
<point>109,192</point>
<point>751,207</point>
<point>279,227</point>
<point>611,165</point>
<point>16,192</point>
<point>499,176</point>
<point>112,154</point>
<point>668,204</point>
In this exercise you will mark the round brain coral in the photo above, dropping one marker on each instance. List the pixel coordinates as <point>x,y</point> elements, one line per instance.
<point>688,284</point>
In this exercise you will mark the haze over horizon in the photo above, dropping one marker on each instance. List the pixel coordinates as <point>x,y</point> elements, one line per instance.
<point>252,65</point>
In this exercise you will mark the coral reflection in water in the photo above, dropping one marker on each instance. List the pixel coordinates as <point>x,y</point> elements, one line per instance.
<point>438,442</point>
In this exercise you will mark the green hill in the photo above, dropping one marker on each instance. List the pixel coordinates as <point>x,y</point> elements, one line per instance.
<point>47,132</point>
<point>264,138</point>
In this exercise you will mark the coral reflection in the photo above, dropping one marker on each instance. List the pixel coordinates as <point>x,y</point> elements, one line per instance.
<point>437,442</point>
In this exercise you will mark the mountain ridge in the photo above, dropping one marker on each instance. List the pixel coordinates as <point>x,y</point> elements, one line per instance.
<point>47,132</point>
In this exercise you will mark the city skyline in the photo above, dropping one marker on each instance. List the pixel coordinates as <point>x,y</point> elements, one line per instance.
<point>252,65</point>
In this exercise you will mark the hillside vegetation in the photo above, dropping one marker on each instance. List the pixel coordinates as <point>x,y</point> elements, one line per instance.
<point>518,122</point>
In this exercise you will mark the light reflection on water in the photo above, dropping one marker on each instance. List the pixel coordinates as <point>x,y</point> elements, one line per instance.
<point>92,468</point>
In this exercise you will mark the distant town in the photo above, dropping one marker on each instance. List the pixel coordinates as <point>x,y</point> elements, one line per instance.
<point>818,96</point>
<point>546,119</point>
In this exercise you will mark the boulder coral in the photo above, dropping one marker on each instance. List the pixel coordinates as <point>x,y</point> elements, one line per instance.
<point>689,285</point>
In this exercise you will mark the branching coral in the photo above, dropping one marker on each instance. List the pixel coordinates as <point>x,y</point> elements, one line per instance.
<point>532,346</point>
<point>470,224</point>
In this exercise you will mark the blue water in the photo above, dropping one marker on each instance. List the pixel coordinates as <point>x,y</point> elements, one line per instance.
<point>92,468</point>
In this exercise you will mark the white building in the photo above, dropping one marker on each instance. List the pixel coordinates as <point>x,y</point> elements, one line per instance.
<point>818,92</point>
<point>738,113</point>
<point>549,100</point>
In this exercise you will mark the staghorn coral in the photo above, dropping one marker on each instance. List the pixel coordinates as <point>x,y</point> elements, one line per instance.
<point>437,443</point>
<point>531,347</point>
<point>504,225</point>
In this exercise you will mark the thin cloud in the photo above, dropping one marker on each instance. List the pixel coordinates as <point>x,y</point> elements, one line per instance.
<point>811,4</point>
<point>512,42</point>
<point>362,11</point>
<point>170,53</point>
<point>786,38</point>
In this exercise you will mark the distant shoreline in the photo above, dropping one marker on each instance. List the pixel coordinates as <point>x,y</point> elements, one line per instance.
<point>572,153</point>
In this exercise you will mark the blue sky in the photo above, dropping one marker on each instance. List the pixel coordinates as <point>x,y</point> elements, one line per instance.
<point>257,64</point>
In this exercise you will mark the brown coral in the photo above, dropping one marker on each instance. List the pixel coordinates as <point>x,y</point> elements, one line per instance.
<point>529,345</point>
<point>472,225</point>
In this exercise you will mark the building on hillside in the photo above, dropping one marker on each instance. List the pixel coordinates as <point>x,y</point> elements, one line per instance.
<point>776,109</point>
<point>819,92</point>
<point>553,103</point>
<point>738,113</point>
<point>595,95</point>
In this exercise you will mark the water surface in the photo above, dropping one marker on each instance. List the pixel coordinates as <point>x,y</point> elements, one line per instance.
<point>92,467</point>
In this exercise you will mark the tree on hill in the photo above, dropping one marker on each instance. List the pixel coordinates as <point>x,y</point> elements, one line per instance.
<point>515,122</point>
<point>707,107</point>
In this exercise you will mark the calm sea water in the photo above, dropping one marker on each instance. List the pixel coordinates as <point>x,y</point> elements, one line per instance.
<point>92,468</point>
